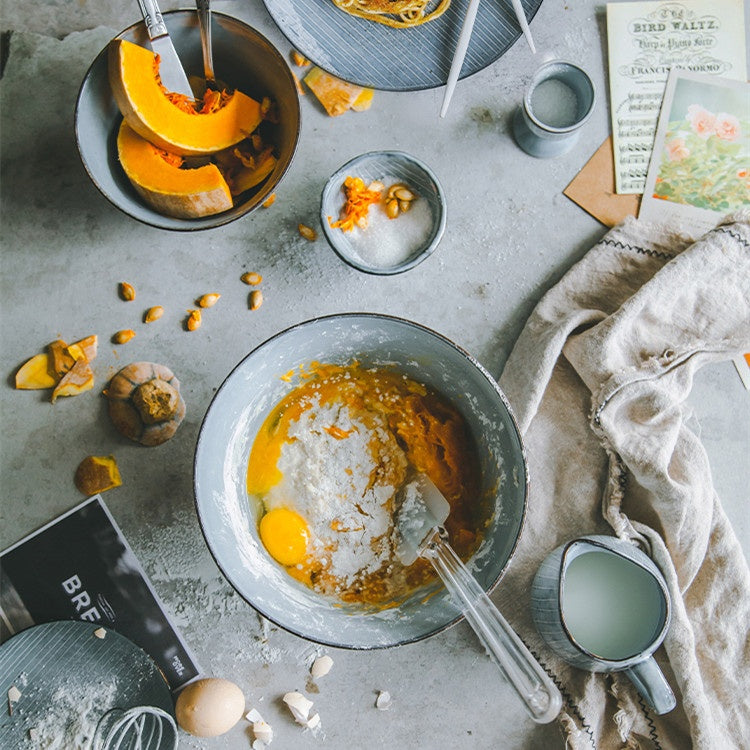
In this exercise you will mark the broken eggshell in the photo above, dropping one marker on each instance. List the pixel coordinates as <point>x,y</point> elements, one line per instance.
<point>300,708</point>
<point>145,403</point>
<point>262,730</point>
<point>321,667</point>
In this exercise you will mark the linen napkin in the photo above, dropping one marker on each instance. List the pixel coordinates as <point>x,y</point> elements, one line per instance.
<point>598,379</point>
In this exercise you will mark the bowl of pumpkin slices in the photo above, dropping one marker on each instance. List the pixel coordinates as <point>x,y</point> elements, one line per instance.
<point>182,163</point>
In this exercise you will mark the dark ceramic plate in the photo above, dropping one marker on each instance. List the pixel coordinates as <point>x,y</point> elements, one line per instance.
<point>371,54</point>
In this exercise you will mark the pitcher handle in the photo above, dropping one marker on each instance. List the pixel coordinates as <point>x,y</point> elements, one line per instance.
<point>651,683</point>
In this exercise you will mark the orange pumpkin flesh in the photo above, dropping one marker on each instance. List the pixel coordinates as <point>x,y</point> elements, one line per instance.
<point>182,193</point>
<point>149,112</point>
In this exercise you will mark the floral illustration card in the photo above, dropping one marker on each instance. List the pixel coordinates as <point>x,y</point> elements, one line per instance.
<point>700,166</point>
<point>646,40</point>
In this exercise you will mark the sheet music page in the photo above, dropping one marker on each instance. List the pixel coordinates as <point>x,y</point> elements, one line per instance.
<point>645,41</point>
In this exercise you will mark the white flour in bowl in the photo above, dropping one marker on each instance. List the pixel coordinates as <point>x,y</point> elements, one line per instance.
<point>341,475</point>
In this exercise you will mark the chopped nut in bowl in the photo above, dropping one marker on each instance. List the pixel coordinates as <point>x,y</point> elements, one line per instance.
<point>383,212</point>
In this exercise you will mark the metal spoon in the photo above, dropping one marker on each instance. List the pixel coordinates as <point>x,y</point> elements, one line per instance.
<point>204,21</point>
<point>419,522</point>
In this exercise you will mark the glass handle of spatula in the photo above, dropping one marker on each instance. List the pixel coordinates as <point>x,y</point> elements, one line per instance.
<point>532,684</point>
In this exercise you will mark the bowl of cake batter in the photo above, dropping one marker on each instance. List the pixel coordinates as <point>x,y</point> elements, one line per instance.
<point>305,450</point>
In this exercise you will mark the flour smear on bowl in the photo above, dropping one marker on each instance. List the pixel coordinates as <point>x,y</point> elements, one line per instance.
<point>328,466</point>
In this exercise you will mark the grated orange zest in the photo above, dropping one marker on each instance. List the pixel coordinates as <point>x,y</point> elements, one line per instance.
<point>211,101</point>
<point>359,198</point>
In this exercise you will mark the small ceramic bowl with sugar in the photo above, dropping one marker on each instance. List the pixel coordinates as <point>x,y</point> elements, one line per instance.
<point>390,234</point>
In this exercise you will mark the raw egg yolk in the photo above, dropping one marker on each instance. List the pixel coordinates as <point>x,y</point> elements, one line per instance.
<point>284,534</point>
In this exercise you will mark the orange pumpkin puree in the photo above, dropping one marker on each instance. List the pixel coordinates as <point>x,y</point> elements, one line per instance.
<point>427,428</point>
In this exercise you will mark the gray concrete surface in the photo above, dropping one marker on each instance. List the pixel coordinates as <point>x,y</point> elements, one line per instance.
<point>511,234</point>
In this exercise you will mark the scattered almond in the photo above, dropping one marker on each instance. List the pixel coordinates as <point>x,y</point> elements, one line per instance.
<point>307,232</point>
<point>268,202</point>
<point>61,359</point>
<point>100,633</point>
<point>122,337</point>
<point>208,300</point>
<point>193,320</point>
<point>251,278</point>
<point>153,313</point>
<point>127,292</point>
<point>256,299</point>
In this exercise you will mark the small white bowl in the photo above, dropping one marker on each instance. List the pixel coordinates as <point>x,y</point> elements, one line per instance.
<point>393,166</point>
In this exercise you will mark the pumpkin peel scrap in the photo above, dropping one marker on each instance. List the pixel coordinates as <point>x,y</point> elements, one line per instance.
<point>65,368</point>
<point>97,474</point>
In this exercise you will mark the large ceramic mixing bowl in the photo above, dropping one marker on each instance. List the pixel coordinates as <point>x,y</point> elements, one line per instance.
<point>229,517</point>
<point>243,58</point>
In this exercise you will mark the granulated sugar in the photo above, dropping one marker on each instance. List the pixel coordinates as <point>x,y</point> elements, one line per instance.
<point>342,474</point>
<point>389,242</point>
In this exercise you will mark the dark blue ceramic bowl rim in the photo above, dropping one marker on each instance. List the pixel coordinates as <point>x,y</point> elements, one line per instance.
<point>473,362</point>
<point>438,229</point>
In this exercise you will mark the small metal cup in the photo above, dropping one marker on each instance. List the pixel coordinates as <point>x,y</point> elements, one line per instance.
<point>558,101</point>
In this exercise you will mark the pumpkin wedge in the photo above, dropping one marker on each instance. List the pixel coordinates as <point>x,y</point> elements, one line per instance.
<point>133,77</point>
<point>183,193</point>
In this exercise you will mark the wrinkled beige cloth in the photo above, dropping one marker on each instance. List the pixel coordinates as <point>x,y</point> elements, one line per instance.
<point>597,380</point>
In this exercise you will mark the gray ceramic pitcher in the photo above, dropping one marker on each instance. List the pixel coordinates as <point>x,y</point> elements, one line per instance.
<point>603,605</point>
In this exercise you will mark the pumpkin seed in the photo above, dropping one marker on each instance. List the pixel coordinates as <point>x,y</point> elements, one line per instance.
<point>403,194</point>
<point>193,320</point>
<point>122,337</point>
<point>307,232</point>
<point>209,300</point>
<point>127,292</point>
<point>153,313</point>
